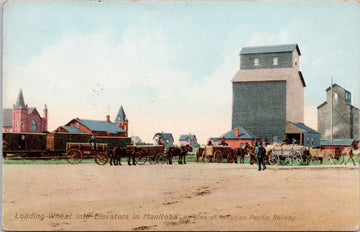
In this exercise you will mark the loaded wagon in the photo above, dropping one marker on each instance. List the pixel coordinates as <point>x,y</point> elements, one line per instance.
<point>216,153</point>
<point>289,154</point>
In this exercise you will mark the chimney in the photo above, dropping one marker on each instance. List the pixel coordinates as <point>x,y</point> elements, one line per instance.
<point>108,118</point>
<point>237,132</point>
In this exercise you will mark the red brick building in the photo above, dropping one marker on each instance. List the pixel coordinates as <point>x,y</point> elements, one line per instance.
<point>22,118</point>
<point>237,137</point>
<point>105,128</point>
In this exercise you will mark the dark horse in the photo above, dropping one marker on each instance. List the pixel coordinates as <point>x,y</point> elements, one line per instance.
<point>117,153</point>
<point>179,151</point>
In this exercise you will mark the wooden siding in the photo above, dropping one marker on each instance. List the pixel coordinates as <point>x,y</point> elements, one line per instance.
<point>345,119</point>
<point>260,107</point>
<point>285,60</point>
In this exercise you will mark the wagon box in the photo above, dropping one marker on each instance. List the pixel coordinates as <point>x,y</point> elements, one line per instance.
<point>56,142</point>
<point>217,153</point>
<point>75,152</point>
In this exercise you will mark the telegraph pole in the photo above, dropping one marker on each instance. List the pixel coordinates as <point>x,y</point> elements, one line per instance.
<point>332,110</point>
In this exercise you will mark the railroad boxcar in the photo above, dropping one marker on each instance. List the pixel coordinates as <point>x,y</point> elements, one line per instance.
<point>51,144</point>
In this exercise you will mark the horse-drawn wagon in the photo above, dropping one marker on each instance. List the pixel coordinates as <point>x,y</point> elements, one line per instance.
<point>76,151</point>
<point>152,154</point>
<point>217,153</point>
<point>289,154</point>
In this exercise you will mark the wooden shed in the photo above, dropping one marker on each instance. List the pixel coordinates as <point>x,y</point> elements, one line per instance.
<point>299,133</point>
<point>337,143</point>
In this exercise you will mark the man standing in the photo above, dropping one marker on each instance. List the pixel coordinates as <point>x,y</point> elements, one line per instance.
<point>260,153</point>
<point>351,156</point>
<point>93,141</point>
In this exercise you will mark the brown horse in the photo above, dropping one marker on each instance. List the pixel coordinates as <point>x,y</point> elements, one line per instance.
<point>117,153</point>
<point>250,150</point>
<point>181,152</point>
<point>240,152</point>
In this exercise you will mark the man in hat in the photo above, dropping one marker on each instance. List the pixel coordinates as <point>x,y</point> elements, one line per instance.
<point>260,153</point>
<point>93,141</point>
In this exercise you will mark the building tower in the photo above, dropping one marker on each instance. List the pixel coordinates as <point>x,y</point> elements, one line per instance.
<point>20,113</point>
<point>45,119</point>
<point>22,118</point>
<point>268,90</point>
<point>122,120</point>
<point>345,115</point>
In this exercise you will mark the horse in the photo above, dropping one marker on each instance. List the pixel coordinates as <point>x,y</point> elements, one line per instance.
<point>250,150</point>
<point>239,152</point>
<point>268,149</point>
<point>117,153</point>
<point>181,152</point>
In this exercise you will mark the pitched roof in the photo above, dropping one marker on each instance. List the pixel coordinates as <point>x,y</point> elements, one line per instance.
<point>121,116</point>
<point>7,117</point>
<point>30,110</point>
<point>20,101</point>
<point>334,85</point>
<point>215,139</point>
<point>97,125</point>
<point>243,134</point>
<point>166,136</point>
<point>185,137</point>
<point>322,104</point>
<point>305,128</point>
<point>270,74</point>
<point>71,129</point>
<point>270,49</point>
<point>336,142</point>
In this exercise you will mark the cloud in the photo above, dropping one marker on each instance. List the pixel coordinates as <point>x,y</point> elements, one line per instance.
<point>90,75</point>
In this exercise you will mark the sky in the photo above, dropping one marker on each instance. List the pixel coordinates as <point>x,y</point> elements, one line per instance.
<point>168,63</point>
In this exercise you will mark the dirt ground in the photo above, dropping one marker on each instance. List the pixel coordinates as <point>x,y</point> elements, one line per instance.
<point>194,196</point>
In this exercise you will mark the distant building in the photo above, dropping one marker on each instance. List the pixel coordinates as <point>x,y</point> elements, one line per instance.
<point>299,133</point>
<point>268,90</point>
<point>119,128</point>
<point>340,144</point>
<point>237,137</point>
<point>22,118</point>
<point>345,115</point>
<point>135,139</point>
<point>187,140</point>
<point>167,138</point>
<point>122,120</point>
<point>214,141</point>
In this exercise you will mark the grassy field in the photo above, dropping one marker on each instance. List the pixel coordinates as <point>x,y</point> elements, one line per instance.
<point>189,158</point>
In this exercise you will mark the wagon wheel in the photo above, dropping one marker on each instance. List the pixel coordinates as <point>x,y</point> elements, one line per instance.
<point>74,156</point>
<point>152,159</point>
<point>140,158</point>
<point>197,158</point>
<point>218,156</point>
<point>230,157</point>
<point>160,158</point>
<point>206,158</point>
<point>273,159</point>
<point>337,160</point>
<point>253,159</point>
<point>296,158</point>
<point>101,158</point>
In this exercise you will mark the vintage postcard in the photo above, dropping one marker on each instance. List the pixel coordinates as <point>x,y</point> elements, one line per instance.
<point>180,115</point>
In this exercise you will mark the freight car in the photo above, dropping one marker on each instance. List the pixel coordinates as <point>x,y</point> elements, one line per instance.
<point>50,144</point>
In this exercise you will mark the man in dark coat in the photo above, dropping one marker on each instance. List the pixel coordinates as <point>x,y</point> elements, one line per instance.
<point>93,141</point>
<point>260,153</point>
